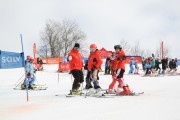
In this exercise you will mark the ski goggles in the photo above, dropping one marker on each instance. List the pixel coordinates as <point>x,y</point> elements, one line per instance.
<point>92,49</point>
<point>76,48</point>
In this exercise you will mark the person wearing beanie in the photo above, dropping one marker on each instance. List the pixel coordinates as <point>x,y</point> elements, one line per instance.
<point>76,65</point>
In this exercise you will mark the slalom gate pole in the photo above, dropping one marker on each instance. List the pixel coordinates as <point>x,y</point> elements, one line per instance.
<point>27,95</point>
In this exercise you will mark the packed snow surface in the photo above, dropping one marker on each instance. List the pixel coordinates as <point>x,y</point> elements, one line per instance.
<point>160,101</point>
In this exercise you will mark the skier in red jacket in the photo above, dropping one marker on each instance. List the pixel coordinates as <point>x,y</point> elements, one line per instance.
<point>76,65</point>
<point>94,65</point>
<point>118,72</point>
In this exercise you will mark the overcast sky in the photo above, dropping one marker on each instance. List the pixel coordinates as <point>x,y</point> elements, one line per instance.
<point>105,22</point>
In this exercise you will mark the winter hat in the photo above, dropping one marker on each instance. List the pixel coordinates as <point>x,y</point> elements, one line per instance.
<point>77,45</point>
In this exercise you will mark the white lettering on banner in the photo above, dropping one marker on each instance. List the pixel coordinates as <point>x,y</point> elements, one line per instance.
<point>10,59</point>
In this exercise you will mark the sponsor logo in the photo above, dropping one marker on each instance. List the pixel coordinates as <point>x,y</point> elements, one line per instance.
<point>11,59</point>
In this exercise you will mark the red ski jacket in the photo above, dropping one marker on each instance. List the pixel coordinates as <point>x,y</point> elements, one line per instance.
<point>94,60</point>
<point>75,60</point>
<point>120,60</point>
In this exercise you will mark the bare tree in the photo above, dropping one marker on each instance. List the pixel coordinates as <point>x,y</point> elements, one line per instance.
<point>59,38</point>
<point>48,38</point>
<point>125,46</point>
<point>71,34</point>
<point>135,50</point>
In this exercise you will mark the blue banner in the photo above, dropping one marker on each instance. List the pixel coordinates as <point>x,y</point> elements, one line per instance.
<point>11,60</point>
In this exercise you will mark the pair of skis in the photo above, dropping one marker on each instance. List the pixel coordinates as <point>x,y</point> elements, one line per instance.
<point>105,94</point>
<point>36,87</point>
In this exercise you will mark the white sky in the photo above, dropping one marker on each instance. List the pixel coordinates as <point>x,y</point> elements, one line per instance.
<point>105,22</point>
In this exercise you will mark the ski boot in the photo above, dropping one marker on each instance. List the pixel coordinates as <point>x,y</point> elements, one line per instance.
<point>90,92</point>
<point>23,86</point>
<point>31,87</point>
<point>97,92</point>
<point>126,91</point>
<point>75,92</point>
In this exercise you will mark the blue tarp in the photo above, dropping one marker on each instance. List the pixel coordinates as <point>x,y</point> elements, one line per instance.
<point>11,60</point>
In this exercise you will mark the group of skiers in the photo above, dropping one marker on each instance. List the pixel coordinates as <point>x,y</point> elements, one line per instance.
<point>133,64</point>
<point>93,65</point>
<point>152,65</point>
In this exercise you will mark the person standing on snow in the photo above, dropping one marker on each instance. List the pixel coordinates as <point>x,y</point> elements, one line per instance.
<point>76,65</point>
<point>123,88</point>
<point>29,69</point>
<point>131,65</point>
<point>107,67</point>
<point>136,67</point>
<point>164,62</point>
<point>94,65</point>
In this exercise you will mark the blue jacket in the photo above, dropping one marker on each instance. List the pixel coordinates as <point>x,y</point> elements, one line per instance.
<point>147,65</point>
<point>131,62</point>
<point>29,68</point>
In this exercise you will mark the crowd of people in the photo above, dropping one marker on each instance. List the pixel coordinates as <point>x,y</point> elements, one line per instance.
<point>115,66</point>
<point>152,65</point>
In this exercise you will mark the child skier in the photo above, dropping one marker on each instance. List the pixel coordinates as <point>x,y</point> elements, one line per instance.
<point>136,67</point>
<point>29,69</point>
<point>119,69</point>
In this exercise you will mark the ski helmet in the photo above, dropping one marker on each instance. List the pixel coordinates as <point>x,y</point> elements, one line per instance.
<point>117,47</point>
<point>93,46</point>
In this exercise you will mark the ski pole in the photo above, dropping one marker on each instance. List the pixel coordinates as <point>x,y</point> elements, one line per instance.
<point>27,95</point>
<point>81,89</point>
<point>19,79</point>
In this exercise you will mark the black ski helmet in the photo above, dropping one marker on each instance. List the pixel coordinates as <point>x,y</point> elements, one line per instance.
<point>117,47</point>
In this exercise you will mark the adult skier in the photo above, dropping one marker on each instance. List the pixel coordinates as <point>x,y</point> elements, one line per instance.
<point>76,65</point>
<point>94,65</point>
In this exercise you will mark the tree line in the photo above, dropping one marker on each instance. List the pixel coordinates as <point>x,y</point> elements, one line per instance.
<point>58,38</point>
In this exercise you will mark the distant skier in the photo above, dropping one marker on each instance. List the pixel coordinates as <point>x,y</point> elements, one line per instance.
<point>94,65</point>
<point>39,64</point>
<point>152,62</point>
<point>136,67</point>
<point>131,65</point>
<point>143,62</point>
<point>172,66</point>
<point>76,65</point>
<point>164,62</point>
<point>157,67</point>
<point>147,66</point>
<point>107,67</point>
